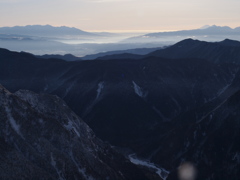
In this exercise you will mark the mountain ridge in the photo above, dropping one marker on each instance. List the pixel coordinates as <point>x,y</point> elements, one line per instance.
<point>41,138</point>
<point>45,31</point>
<point>211,33</point>
<point>152,105</point>
<point>224,51</point>
<point>211,29</point>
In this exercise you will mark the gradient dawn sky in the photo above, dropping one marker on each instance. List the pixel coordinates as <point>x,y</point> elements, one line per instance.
<point>121,15</point>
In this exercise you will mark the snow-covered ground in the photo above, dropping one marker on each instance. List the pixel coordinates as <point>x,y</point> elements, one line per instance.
<point>99,90</point>
<point>138,90</point>
<point>16,127</point>
<point>163,173</point>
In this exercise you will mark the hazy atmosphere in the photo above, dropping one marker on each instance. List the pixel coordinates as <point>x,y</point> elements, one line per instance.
<point>121,15</point>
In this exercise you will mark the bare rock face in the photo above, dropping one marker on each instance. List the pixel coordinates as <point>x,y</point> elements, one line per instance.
<point>41,138</point>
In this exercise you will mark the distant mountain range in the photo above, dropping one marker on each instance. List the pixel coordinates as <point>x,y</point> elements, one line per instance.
<point>208,32</point>
<point>44,31</point>
<point>51,31</point>
<point>47,39</point>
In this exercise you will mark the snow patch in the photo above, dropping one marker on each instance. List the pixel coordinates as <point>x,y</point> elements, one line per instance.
<point>80,170</point>
<point>99,90</point>
<point>211,116</point>
<point>236,157</point>
<point>210,113</point>
<point>13,123</point>
<point>53,163</point>
<point>68,89</point>
<point>223,90</point>
<point>195,134</point>
<point>138,90</point>
<point>160,114</point>
<point>70,126</point>
<point>163,173</point>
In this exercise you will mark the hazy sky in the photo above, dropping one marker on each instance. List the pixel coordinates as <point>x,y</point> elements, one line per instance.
<point>121,15</point>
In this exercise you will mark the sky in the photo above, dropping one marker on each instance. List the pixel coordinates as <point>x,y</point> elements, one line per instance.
<point>121,15</point>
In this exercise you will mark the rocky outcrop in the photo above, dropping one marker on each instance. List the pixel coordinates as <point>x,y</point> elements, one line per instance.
<point>41,138</point>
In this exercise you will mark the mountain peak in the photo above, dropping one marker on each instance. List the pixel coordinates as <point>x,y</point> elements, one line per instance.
<point>230,42</point>
<point>205,27</point>
<point>215,27</point>
<point>44,30</point>
<point>4,90</point>
<point>188,41</point>
<point>215,52</point>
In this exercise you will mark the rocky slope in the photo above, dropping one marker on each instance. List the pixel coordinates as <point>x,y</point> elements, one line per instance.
<point>41,138</point>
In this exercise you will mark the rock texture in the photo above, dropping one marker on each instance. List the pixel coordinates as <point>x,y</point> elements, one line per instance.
<point>41,138</point>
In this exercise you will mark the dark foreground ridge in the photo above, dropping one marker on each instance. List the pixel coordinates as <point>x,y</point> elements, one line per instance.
<point>41,138</point>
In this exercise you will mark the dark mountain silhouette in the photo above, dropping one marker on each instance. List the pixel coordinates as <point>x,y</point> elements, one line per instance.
<point>121,56</point>
<point>42,138</point>
<point>138,51</point>
<point>154,105</point>
<point>229,42</point>
<point>66,57</point>
<point>104,55</point>
<point>44,31</point>
<point>227,51</point>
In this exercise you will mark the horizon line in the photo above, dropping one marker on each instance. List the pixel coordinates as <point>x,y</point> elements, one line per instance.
<point>120,31</point>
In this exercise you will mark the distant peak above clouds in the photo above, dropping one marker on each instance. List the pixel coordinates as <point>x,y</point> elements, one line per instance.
<point>205,27</point>
<point>218,27</point>
<point>45,31</point>
<point>207,32</point>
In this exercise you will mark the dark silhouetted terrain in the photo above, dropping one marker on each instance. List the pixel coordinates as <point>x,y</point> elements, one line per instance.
<point>162,108</point>
<point>41,138</point>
